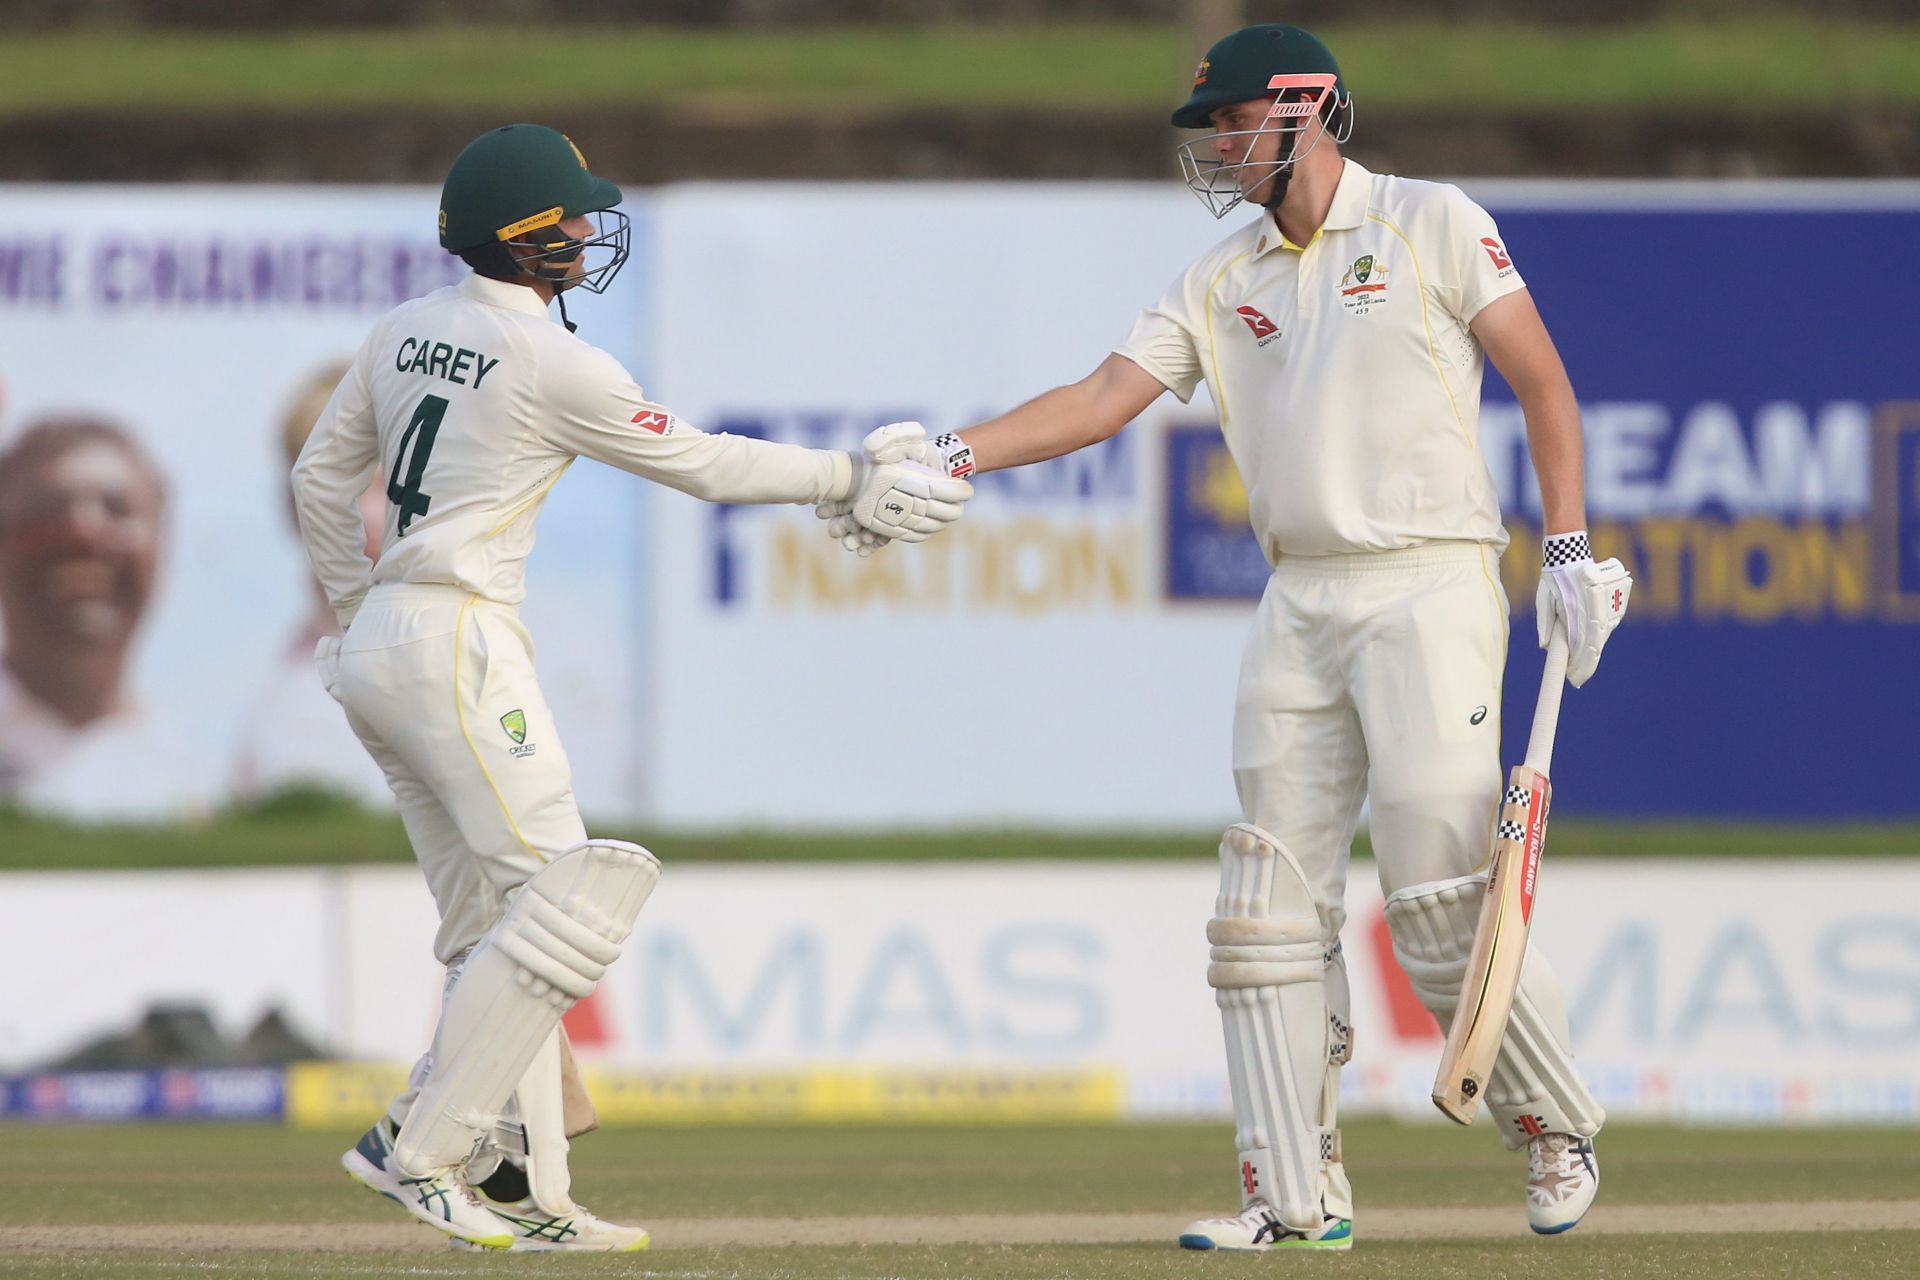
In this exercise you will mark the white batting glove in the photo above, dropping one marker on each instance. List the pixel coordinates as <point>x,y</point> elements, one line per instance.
<point>326,657</point>
<point>897,497</point>
<point>947,453</point>
<point>845,530</point>
<point>1590,598</point>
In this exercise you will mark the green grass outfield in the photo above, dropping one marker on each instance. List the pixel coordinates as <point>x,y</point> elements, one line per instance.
<point>1062,1203</point>
<point>309,829</point>
<point>1765,62</point>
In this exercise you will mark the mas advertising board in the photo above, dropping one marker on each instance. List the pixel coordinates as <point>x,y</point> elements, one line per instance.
<point>1763,991</point>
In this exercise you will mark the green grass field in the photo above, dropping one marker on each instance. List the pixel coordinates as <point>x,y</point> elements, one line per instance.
<point>1101,1201</point>
<point>1752,63</point>
<point>308,829</point>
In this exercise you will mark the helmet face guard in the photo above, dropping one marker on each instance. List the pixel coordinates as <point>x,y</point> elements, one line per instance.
<point>565,262</point>
<point>1298,118</point>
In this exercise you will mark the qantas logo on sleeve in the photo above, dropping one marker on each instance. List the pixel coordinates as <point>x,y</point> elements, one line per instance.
<point>653,420</point>
<point>1496,252</point>
<point>1264,330</point>
<point>1261,326</point>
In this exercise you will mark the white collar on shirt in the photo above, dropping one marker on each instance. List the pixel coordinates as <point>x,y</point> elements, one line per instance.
<point>499,293</point>
<point>1348,210</point>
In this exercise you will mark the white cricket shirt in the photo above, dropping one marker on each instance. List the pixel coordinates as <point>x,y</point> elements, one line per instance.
<point>1347,380</point>
<point>473,401</point>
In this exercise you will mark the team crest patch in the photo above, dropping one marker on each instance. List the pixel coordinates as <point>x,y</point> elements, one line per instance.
<point>515,723</point>
<point>1364,286</point>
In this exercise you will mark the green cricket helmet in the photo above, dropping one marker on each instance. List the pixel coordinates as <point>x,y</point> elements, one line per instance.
<point>513,186</point>
<point>1283,63</point>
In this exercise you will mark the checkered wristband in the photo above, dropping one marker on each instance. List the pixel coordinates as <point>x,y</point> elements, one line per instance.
<point>957,453</point>
<point>1561,549</point>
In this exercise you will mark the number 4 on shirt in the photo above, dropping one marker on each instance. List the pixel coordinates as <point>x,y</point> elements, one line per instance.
<point>407,496</point>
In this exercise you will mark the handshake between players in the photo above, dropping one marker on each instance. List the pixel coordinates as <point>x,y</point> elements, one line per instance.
<point>905,487</point>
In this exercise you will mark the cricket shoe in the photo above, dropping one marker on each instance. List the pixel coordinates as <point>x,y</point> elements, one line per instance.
<point>537,1231</point>
<point>444,1201</point>
<point>1257,1229</point>
<point>1563,1175</point>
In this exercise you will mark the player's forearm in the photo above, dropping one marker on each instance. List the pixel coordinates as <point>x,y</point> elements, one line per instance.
<point>1554,439</point>
<point>334,536</point>
<point>1517,342</point>
<point>1047,426</point>
<point>729,468</point>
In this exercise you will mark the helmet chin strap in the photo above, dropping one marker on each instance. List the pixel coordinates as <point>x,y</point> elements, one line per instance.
<point>1279,192</point>
<point>554,271</point>
<point>1285,175</point>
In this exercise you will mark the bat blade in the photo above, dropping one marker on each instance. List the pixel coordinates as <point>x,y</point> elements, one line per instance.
<point>1499,947</point>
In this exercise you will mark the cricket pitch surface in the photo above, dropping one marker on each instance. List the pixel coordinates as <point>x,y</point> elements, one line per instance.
<point>899,1203</point>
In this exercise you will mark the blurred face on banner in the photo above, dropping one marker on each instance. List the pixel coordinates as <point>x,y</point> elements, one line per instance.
<point>80,536</point>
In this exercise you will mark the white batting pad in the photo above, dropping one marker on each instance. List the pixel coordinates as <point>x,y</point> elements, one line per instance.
<point>1336,1193</point>
<point>1432,926</point>
<point>1535,1086</point>
<point>1268,960</point>
<point>539,1101</point>
<point>560,932</point>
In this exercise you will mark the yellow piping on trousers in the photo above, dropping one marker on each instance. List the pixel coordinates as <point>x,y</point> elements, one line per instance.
<point>460,714</point>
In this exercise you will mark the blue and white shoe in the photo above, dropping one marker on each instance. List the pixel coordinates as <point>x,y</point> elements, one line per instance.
<point>1258,1229</point>
<point>444,1201</point>
<point>1563,1176</point>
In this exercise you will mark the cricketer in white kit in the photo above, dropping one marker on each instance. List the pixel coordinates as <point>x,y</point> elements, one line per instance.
<point>476,402</point>
<point>1342,337</point>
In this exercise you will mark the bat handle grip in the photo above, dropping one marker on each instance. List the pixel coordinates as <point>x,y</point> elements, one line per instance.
<point>1546,712</point>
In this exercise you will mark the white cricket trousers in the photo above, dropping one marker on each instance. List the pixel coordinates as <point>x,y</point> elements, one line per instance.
<point>1375,674</point>
<point>440,686</point>
<point>1378,676</point>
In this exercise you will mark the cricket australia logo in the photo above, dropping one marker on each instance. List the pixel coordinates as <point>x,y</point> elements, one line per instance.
<point>515,723</point>
<point>1364,286</point>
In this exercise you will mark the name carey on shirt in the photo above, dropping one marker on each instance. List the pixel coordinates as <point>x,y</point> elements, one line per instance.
<point>443,360</point>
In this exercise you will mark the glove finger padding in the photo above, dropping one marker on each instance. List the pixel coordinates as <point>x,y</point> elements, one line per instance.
<point>896,442</point>
<point>1603,590</point>
<point>326,656</point>
<point>845,530</point>
<point>901,498</point>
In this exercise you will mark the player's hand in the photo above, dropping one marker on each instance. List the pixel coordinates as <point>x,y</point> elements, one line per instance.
<point>897,497</point>
<point>1591,599</point>
<point>949,454</point>
<point>845,530</point>
<point>326,657</point>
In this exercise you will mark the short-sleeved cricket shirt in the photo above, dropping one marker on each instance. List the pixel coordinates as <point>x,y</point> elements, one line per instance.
<point>1347,379</point>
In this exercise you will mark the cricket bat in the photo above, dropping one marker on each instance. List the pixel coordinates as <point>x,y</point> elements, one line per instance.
<point>1506,915</point>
